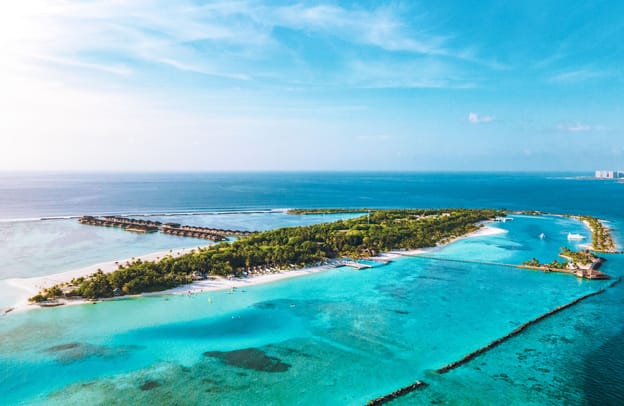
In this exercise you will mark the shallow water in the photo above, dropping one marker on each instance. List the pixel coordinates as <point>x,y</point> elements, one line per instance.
<point>37,248</point>
<point>521,241</point>
<point>570,358</point>
<point>338,337</point>
<point>44,247</point>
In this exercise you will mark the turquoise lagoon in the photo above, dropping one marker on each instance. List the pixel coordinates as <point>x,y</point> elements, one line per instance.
<point>336,337</point>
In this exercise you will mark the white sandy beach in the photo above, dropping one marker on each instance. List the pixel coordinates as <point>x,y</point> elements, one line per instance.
<point>486,230</point>
<point>482,232</point>
<point>28,287</point>
<point>221,283</point>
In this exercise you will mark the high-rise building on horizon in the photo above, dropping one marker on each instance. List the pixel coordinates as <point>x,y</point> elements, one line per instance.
<point>608,174</point>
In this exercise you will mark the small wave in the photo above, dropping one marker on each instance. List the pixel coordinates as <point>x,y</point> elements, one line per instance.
<point>214,212</point>
<point>59,218</point>
<point>34,219</point>
<point>20,220</point>
<point>203,213</point>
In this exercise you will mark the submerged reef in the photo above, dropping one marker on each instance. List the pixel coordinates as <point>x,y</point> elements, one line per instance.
<point>250,358</point>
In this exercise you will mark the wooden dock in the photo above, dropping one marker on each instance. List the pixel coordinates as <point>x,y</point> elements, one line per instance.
<point>137,226</point>
<point>147,226</point>
<point>356,265</point>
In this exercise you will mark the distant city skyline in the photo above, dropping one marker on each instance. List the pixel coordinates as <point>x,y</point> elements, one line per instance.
<point>112,85</point>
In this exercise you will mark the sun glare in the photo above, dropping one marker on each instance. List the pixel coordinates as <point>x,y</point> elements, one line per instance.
<point>22,29</point>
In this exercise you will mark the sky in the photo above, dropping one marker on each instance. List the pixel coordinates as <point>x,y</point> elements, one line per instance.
<point>155,85</point>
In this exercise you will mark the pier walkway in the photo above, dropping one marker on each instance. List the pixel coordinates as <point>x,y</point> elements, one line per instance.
<point>591,273</point>
<point>355,265</point>
<point>147,226</point>
<point>462,261</point>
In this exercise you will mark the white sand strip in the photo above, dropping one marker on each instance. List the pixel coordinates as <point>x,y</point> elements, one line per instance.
<point>486,230</point>
<point>221,283</point>
<point>28,287</point>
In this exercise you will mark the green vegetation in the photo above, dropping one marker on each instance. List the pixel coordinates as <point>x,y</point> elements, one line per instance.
<point>327,211</point>
<point>601,238</point>
<point>553,265</point>
<point>531,212</point>
<point>533,262</point>
<point>381,230</point>
<point>578,258</point>
<point>38,298</point>
<point>557,265</point>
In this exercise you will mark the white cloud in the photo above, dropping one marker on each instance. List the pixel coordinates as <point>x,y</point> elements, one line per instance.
<point>374,138</point>
<point>574,127</point>
<point>227,39</point>
<point>393,73</point>
<point>93,73</point>
<point>203,70</point>
<point>63,128</point>
<point>117,69</point>
<point>575,76</point>
<point>617,150</point>
<point>475,118</point>
<point>382,27</point>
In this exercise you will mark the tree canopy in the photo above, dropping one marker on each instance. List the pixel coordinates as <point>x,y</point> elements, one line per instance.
<point>291,247</point>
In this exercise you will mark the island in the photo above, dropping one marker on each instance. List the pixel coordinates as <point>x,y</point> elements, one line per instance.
<point>601,237</point>
<point>285,248</point>
<point>327,211</point>
<point>338,243</point>
<point>583,264</point>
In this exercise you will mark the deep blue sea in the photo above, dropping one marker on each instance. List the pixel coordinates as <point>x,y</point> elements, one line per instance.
<point>337,337</point>
<point>38,195</point>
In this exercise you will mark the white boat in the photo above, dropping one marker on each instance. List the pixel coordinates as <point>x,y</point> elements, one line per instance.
<point>542,236</point>
<point>575,236</point>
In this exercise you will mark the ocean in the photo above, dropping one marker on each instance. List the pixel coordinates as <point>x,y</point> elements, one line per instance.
<point>336,337</point>
<point>27,196</point>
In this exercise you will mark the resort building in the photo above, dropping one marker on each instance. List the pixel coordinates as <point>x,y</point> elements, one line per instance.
<point>602,174</point>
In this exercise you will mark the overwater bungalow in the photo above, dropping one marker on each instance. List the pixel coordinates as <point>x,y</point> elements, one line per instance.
<point>148,226</point>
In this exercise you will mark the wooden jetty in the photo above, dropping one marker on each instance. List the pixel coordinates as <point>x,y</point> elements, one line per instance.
<point>356,265</point>
<point>137,226</point>
<point>148,226</point>
<point>591,273</point>
<point>132,222</point>
<point>194,232</point>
